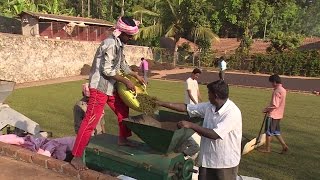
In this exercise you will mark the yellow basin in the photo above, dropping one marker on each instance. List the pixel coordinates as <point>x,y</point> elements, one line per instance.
<point>129,97</point>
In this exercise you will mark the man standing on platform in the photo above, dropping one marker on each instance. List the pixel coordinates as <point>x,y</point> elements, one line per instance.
<point>105,72</point>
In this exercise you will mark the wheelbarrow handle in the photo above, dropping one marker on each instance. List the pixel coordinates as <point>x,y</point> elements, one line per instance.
<point>263,123</point>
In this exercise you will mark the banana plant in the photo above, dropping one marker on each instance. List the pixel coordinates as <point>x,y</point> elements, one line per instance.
<point>13,8</point>
<point>52,7</point>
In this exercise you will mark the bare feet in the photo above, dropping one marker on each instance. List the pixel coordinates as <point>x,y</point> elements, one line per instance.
<point>284,150</point>
<point>126,142</point>
<point>77,163</point>
<point>264,149</point>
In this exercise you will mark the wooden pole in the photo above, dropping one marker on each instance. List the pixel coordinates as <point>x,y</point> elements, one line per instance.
<point>89,8</point>
<point>122,8</point>
<point>82,8</point>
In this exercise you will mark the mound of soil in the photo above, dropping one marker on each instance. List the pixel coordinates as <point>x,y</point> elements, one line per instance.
<point>85,70</point>
<point>135,68</point>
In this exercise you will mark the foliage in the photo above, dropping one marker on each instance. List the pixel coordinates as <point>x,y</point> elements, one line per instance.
<point>296,63</point>
<point>13,8</point>
<point>53,7</point>
<point>247,19</point>
<point>180,21</point>
<point>281,41</point>
<point>238,61</point>
<point>206,55</point>
<point>291,63</point>
<point>308,20</point>
<point>185,47</point>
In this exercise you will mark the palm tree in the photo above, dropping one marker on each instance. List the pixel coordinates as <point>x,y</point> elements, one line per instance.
<point>172,26</point>
<point>138,12</point>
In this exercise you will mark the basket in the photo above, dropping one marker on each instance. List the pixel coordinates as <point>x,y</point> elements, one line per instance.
<point>128,96</point>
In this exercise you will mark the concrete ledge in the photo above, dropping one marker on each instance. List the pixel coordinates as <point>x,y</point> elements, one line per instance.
<point>56,165</point>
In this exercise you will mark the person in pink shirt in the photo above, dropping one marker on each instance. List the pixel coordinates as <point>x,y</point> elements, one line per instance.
<point>275,113</point>
<point>144,67</point>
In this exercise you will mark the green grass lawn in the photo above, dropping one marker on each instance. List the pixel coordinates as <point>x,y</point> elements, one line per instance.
<point>51,106</point>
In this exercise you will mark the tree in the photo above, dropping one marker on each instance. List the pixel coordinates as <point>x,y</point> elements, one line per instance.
<point>281,41</point>
<point>309,18</point>
<point>173,24</point>
<point>138,12</point>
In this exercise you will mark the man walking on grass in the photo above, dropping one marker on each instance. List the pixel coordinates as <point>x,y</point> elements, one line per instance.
<point>275,113</point>
<point>192,93</point>
<point>105,72</point>
<point>221,132</point>
<point>192,96</point>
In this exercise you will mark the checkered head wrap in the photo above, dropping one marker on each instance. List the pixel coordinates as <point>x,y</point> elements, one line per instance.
<point>123,27</point>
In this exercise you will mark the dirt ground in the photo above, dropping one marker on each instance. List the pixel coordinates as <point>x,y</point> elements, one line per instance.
<point>12,169</point>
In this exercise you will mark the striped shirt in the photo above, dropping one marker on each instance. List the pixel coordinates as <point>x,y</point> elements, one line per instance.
<point>108,61</point>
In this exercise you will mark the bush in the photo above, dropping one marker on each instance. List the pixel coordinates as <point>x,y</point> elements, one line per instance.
<point>281,41</point>
<point>239,61</point>
<point>291,63</point>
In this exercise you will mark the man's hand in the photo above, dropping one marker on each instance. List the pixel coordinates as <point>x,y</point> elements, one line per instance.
<point>130,85</point>
<point>266,110</point>
<point>185,124</point>
<point>140,79</point>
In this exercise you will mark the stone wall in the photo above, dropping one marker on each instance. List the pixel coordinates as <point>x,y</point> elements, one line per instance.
<point>27,59</point>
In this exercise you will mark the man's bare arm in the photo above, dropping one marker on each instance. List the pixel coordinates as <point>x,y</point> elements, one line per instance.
<point>174,106</point>
<point>205,132</point>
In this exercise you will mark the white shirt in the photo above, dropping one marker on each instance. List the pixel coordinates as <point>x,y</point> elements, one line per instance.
<point>227,123</point>
<point>192,85</point>
<point>223,65</point>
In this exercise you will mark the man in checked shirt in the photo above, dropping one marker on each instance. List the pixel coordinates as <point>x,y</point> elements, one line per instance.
<point>107,64</point>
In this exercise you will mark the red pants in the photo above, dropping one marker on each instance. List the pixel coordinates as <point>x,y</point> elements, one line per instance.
<point>97,101</point>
